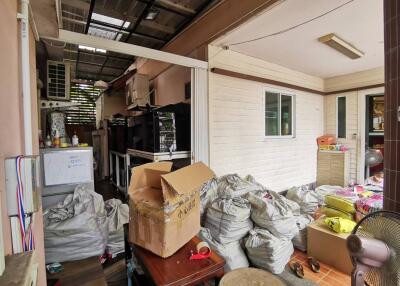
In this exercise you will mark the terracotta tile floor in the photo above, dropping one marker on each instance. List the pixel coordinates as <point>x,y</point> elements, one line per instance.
<point>328,276</point>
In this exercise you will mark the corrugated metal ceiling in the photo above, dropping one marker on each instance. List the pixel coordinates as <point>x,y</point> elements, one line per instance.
<point>123,20</point>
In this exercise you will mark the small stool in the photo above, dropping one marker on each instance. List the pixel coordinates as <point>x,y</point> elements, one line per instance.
<point>250,276</point>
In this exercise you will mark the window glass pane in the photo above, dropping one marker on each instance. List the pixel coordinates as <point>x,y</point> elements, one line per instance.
<point>341,120</point>
<point>271,114</point>
<point>286,115</point>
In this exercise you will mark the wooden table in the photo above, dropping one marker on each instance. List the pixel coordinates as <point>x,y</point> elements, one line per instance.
<point>178,269</point>
<point>85,272</point>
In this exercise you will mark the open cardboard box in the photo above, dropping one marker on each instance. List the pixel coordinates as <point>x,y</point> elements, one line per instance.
<point>165,206</point>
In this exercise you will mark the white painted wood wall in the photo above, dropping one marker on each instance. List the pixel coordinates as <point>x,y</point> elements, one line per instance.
<point>236,121</point>
<point>351,142</point>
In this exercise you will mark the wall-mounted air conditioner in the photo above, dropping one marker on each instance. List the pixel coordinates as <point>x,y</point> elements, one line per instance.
<point>58,80</point>
<point>138,90</point>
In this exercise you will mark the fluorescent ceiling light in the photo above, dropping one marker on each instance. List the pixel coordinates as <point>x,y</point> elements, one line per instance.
<point>151,15</point>
<point>94,50</point>
<point>341,46</point>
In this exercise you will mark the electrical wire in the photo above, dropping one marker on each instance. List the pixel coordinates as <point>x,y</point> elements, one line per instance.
<point>20,202</point>
<point>27,236</point>
<point>290,28</point>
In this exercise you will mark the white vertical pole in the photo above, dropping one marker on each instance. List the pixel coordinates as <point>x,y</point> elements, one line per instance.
<point>26,80</point>
<point>200,116</point>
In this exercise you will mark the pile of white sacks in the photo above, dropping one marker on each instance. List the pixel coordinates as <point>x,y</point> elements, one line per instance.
<point>244,221</point>
<point>83,225</point>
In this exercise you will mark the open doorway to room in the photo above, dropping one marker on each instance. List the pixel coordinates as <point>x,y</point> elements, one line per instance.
<point>374,130</point>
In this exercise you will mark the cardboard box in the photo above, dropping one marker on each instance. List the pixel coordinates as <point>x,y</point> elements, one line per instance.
<point>165,206</point>
<point>326,140</point>
<point>328,246</point>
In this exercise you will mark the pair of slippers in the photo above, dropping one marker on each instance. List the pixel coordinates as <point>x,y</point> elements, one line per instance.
<point>297,268</point>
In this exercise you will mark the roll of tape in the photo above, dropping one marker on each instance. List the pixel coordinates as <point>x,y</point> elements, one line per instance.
<point>203,248</point>
<point>203,251</point>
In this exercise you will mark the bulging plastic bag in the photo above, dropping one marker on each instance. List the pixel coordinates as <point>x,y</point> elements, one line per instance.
<point>267,251</point>
<point>229,219</point>
<point>76,228</point>
<point>232,252</point>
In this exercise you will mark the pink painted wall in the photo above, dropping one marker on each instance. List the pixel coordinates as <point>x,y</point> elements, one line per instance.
<point>11,117</point>
<point>170,85</point>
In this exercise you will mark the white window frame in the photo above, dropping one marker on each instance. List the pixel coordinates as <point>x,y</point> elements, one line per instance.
<point>337,118</point>
<point>286,93</point>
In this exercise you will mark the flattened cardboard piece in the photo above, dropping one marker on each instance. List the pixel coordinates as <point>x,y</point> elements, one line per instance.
<point>139,178</point>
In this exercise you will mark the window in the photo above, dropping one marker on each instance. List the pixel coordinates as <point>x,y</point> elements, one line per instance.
<point>85,113</point>
<point>341,117</point>
<point>279,114</point>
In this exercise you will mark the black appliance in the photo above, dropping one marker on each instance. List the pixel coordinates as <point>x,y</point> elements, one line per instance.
<point>161,129</point>
<point>117,136</point>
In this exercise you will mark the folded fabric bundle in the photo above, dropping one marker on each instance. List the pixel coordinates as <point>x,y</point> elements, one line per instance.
<point>371,204</point>
<point>307,199</point>
<point>300,240</point>
<point>232,252</point>
<point>268,252</point>
<point>274,212</point>
<point>340,203</point>
<point>332,212</point>
<point>229,219</point>
<point>340,225</point>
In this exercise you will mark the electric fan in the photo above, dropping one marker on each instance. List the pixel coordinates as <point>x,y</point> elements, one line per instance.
<point>374,247</point>
<point>373,157</point>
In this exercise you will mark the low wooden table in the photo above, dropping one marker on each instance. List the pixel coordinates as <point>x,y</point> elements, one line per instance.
<point>178,269</point>
<point>86,272</point>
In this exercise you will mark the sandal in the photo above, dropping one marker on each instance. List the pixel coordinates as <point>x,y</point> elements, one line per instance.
<point>297,269</point>
<point>314,264</point>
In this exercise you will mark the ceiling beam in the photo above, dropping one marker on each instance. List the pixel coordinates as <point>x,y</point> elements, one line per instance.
<point>98,65</point>
<point>140,18</point>
<point>207,28</point>
<point>126,31</point>
<point>156,26</point>
<point>79,4</point>
<point>177,7</point>
<point>45,17</point>
<point>149,24</point>
<point>100,55</point>
<point>128,49</point>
